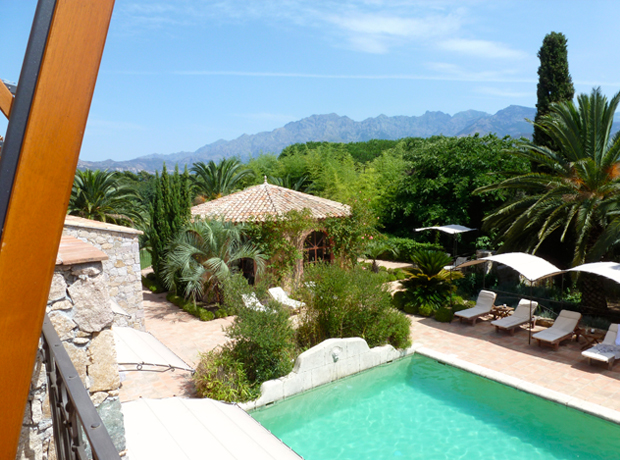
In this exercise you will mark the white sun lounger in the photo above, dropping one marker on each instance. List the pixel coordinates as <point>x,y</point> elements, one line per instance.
<point>563,328</point>
<point>484,304</point>
<point>279,295</point>
<point>607,351</point>
<point>521,315</point>
<point>252,302</point>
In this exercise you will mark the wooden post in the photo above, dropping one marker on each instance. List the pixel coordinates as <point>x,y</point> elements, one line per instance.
<point>33,223</point>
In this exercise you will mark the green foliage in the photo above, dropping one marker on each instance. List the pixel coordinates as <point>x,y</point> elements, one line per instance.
<point>444,315</point>
<point>398,300</point>
<point>190,307</point>
<point>576,193</point>
<point>170,210</point>
<point>214,180</point>
<point>263,342</point>
<point>204,254</point>
<point>405,248</point>
<point>554,82</point>
<point>349,303</point>
<point>275,237</point>
<point>349,235</point>
<point>442,173</point>
<point>101,195</point>
<point>219,376</point>
<point>429,285</point>
<point>145,259</point>
<point>150,282</point>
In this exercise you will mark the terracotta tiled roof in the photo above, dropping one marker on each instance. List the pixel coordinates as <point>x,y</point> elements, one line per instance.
<point>257,202</point>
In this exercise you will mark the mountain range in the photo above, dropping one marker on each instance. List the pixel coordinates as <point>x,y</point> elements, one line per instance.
<point>334,128</point>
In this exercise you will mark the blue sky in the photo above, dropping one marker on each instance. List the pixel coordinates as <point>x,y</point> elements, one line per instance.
<point>179,74</point>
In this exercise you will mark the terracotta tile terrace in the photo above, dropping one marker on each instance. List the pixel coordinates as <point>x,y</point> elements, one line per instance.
<point>564,371</point>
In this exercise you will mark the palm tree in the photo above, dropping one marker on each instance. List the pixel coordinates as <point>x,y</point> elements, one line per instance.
<point>374,248</point>
<point>574,191</point>
<point>205,254</point>
<point>99,195</point>
<point>213,180</point>
<point>429,284</point>
<point>289,182</point>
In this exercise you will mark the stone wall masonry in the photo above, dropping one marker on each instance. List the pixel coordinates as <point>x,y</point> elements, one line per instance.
<point>122,268</point>
<point>79,309</point>
<point>330,360</point>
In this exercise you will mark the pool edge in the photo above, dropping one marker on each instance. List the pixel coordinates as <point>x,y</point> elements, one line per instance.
<point>537,390</point>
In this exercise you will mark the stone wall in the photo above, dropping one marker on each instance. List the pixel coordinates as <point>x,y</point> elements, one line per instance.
<point>121,246</point>
<point>79,309</point>
<point>330,360</point>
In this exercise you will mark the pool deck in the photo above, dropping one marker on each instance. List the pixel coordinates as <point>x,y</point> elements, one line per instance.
<point>564,371</point>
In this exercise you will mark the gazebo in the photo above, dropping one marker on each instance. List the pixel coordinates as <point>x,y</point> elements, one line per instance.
<point>262,202</point>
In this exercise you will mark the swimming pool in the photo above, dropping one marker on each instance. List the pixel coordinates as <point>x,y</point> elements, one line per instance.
<point>417,408</point>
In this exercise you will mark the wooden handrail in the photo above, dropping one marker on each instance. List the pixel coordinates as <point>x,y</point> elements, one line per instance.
<point>39,156</point>
<point>6,100</point>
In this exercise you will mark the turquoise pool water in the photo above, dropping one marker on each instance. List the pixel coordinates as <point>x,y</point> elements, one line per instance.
<point>417,408</point>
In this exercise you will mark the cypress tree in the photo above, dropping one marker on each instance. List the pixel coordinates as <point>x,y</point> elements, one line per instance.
<point>170,211</point>
<point>554,81</point>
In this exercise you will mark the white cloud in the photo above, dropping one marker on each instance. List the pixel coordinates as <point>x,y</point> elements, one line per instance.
<point>481,48</point>
<point>503,92</point>
<point>453,72</point>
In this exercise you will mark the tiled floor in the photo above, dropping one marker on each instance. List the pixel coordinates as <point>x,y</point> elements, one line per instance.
<point>565,370</point>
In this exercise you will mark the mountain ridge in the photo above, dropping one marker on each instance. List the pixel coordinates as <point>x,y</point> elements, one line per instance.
<point>335,128</point>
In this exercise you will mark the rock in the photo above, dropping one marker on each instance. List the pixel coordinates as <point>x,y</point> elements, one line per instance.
<point>80,360</point>
<point>98,397</point>
<point>63,324</point>
<point>61,305</point>
<point>86,269</point>
<point>91,303</point>
<point>103,371</point>
<point>58,289</point>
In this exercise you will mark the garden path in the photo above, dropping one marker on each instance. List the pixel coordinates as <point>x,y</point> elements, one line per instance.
<point>185,335</point>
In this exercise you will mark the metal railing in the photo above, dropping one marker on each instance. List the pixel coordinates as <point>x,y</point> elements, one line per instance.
<point>73,412</point>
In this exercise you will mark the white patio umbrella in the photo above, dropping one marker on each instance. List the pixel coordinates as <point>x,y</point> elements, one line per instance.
<point>609,270</point>
<point>533,268</point>
<point>450,229</point>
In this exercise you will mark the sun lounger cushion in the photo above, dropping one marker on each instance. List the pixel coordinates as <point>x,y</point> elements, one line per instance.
<point>563,326</point>
<point>520,316</point>
<point>607,350</point>
<point>252,302</point>
<point>484,304</point>
<point>280,296</point>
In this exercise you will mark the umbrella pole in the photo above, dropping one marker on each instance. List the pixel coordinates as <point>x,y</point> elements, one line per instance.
<point>529,340</point>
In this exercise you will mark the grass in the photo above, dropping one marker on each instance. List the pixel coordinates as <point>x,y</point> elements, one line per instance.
<point>145,259</point>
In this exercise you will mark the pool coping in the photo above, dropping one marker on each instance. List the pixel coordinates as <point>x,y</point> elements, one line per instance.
<point>528,387</point>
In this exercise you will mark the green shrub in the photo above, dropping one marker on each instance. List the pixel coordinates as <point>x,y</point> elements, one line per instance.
<point>444,315</point>
<point>263,342</point>
<point>221,313</point>
<point>398,300</point>
<point>204,315</point>
<point>219,376</point>
<point>405,248</point>
<point>463,305</point>
<point>188,306</point>
<point>426,309</point>
<point>350,303</point>
<point>150,282</point>
<point>392,278</point>
<point>412,308</point>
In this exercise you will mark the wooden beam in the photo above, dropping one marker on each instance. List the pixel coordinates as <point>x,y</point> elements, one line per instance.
<point>40,195</point>
<point>6,100</point>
